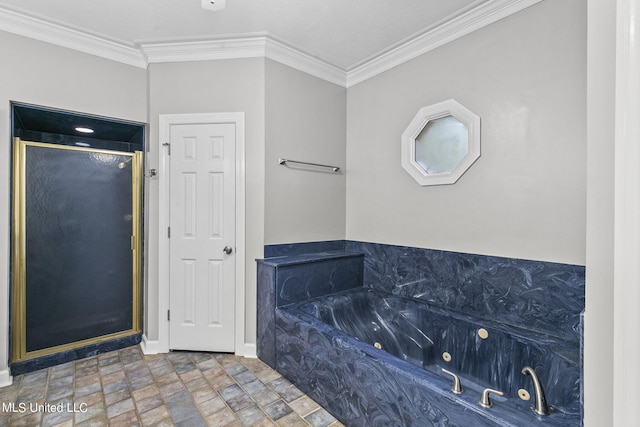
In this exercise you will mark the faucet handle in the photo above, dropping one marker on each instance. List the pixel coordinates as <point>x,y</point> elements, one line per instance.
<point>485,402</point>
<point>456,387</point>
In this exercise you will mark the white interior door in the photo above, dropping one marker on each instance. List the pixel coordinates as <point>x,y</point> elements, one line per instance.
<point>202,237</point>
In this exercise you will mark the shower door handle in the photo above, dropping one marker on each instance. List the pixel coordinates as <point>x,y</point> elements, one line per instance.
<point>227,250</point>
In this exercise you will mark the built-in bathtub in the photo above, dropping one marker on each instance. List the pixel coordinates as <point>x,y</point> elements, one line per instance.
<point>373,358</point>
<point>372,354</point>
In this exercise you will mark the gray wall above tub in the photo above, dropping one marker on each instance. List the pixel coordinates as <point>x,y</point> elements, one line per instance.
<point>525,197</point>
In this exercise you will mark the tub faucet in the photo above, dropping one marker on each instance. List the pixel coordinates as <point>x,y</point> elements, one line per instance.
<point>456,387</point>
<point>541,407</point>
<point>485,402</point>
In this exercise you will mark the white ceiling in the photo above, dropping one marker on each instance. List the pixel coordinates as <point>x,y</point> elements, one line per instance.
<point>343,34</point>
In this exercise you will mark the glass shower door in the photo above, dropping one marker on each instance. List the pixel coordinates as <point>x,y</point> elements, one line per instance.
<point>76,255</point>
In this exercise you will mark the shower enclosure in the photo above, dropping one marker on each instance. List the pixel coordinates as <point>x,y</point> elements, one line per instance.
<point>77,243</point>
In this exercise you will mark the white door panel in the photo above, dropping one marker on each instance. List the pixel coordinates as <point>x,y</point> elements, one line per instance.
<point>202,225</point>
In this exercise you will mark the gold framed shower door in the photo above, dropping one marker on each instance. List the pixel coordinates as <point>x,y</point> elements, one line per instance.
<point>19,351</point>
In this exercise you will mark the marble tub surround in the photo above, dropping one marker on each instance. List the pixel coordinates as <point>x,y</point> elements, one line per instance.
<point>288,279</point>
<point>540,296</point>
<point>420,334</point>
<point>364,386</point>
<point>531,310</point>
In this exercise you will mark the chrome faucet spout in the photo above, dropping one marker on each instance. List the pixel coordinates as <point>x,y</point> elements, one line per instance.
<point>541,407</point>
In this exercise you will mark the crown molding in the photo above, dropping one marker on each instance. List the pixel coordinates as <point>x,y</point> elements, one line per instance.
<point>48,32</point>
<point>452,29</point>
<point>245,46</point>
<point>295,58</point>
<point>239,46</point>
<point>262,45</point>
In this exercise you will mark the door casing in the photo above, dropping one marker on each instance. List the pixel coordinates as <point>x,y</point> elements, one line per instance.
<point>166,121</point>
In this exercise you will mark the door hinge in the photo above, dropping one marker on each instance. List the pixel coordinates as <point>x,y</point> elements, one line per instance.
<point>166,144</point>
<point>169,315</point>
<point>169,232</point>
<point>133,245</point>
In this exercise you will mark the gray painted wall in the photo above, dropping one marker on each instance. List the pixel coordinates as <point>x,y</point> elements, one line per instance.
<point>287,113</point>
<point>525,76</point>
<point>305,120</point>
<point>44,74</point>
<point>235,85</point>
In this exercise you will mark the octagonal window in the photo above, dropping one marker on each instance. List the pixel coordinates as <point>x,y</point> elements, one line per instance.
<point>441,143</point>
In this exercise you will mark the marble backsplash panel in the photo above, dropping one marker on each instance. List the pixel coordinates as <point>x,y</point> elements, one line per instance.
<point>540,296</point>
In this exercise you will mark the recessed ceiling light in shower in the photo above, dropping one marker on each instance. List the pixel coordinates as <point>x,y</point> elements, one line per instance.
<point>83,129</point>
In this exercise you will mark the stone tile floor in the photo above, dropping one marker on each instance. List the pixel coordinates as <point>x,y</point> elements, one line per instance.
<point>127,388</point>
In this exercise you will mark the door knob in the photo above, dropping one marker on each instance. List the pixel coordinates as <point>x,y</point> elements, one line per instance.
<point>227,250</point>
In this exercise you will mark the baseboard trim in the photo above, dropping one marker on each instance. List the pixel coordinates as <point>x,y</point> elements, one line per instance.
<point>153,347</point>
<point>249,351</point>
<point>5,378</point>
<point>149,346</point>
